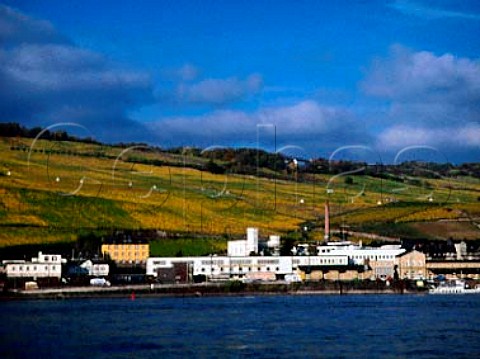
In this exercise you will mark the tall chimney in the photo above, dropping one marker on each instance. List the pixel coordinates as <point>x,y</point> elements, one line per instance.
<point>327,221</point>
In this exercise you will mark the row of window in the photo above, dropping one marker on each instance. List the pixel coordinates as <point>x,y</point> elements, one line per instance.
<point>316,261</point>
<point>373,257</point>
<point>116,246</point>
<point>159,263</point>
<point>241,269</point>
<point>33,268</point>
<point>131,262</point>
<point>213,262</point>
<point>268,261</point>
<point>330,261</point>
<point>241,261</point>
<point>129,254</point>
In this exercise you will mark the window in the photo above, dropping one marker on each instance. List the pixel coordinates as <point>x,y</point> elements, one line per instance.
<point>13,268</point>
<point>53,267</point>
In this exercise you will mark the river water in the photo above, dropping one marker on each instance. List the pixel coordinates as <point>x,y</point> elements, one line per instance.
<point>368,326</point>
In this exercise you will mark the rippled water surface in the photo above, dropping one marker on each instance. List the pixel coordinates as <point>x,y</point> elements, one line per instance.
<point>370,326</point>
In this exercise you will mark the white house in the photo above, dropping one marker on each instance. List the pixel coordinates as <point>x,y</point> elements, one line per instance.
<point>43,266</point>
<point>97,269</point>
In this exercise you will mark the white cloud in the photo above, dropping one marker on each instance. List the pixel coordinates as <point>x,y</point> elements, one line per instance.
<point>424,10</point>
<point>425,90</point>
<point>307,124</point>
<point>16,27</point>
<point>424,77</point>
<point>187,72</point>
<point>400,136</point>
<point>432,101</point>
<point>219,91</point>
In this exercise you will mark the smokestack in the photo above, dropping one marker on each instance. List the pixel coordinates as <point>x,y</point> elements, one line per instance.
<point>327,221</point>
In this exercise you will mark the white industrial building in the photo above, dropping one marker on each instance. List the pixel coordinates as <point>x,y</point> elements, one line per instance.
<point>245,247</point>
<point>226,267</point>
<point>43,266</point>
<point>244,259</point>
<point>360,255</point>
<point>380,259</point>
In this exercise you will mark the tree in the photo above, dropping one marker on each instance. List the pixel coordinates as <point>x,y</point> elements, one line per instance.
<point>214,168</point>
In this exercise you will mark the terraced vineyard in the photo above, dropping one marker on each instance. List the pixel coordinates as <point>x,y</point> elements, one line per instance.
<point>55,191</point>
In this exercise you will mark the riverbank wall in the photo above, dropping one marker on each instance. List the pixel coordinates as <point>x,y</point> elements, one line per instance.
<point>203,289</point>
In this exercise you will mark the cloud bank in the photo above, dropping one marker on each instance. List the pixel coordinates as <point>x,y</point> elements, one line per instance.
<point>45,78</point>
<point>306,124</point>
<point>430,99</point>
<point>433,100</point>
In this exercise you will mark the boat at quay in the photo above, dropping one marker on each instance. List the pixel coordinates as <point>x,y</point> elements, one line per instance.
<point>457,286</point>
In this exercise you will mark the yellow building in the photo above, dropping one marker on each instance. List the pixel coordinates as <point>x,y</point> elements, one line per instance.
<point>127,253</point>
<point>411,265</point>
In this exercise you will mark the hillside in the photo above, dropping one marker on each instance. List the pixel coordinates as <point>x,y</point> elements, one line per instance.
<point>54,191</point>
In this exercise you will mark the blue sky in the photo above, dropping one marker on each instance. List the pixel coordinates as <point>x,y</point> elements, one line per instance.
<point>391,76</point>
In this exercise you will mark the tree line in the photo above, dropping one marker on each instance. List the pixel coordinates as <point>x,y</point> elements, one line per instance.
<point>252,161</point>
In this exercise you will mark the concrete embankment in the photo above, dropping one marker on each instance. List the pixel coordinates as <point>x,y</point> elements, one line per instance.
<point>203,289</point>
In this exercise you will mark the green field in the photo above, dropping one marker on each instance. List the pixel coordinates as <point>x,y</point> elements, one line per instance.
<point>55,191</point>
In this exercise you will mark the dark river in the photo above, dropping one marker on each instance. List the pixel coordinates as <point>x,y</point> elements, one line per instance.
<point>369,326</point>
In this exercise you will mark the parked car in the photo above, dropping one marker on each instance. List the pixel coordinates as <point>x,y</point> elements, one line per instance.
<point>99,282</point>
